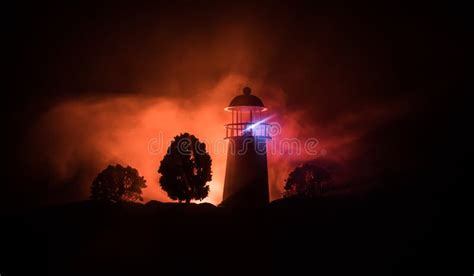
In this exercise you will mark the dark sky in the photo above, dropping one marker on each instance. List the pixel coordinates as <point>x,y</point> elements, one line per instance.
<point>330,63</point>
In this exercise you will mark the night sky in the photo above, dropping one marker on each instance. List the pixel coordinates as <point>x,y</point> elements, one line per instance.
<point>90,83</point>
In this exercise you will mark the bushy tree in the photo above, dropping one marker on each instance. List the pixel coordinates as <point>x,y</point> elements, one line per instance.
<point>118,184</point>
<point>308,181</point>
<point>186,169</point>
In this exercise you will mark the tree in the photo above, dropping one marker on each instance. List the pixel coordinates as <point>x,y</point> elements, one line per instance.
<point>118,184</point>
<point>186,169</point>
<point>308,181</point>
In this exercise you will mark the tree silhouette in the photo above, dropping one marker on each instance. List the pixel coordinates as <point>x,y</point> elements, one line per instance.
<point>118,184</point>
<point>186,169</point>
<point>308,181</point>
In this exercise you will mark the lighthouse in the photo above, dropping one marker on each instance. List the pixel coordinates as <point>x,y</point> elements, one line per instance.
<point>246,177</point>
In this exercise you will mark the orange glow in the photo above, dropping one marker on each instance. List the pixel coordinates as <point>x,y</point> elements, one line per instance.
<point>93,133</point>
<point>185,89</point>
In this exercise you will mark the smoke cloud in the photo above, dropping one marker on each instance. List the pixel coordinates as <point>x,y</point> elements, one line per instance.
<point>83,136</point>
<point>160,80</point>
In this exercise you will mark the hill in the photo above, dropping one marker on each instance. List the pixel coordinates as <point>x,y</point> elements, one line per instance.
<point>342,236</point>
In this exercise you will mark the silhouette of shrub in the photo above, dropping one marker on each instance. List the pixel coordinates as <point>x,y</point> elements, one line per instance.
<point>308,181</point>
<point>118,184</point>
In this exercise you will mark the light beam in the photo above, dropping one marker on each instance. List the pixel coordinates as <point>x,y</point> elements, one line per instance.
<point>252,126</point>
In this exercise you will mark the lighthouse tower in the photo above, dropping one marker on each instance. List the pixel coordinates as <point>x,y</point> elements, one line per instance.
<point>246,178</point>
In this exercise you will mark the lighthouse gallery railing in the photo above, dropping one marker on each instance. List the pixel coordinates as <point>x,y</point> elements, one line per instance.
<point>261,130</point>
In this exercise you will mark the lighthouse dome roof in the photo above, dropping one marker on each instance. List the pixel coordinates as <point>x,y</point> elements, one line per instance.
<point>246,100</point>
